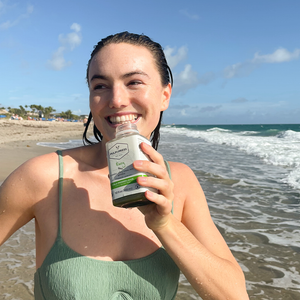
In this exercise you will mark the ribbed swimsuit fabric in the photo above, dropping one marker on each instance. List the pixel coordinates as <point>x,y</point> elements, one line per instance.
<point>68,275</point>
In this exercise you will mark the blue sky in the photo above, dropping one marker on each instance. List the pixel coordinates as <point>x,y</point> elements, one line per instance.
<point>234,62</point>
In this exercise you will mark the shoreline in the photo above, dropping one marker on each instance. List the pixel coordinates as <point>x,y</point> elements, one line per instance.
<point>18,140</point>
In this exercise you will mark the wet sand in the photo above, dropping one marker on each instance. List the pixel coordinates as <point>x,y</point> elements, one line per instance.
<point>18,140</point>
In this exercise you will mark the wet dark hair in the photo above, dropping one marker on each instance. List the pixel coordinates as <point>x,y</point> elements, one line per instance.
<point>161,63</point>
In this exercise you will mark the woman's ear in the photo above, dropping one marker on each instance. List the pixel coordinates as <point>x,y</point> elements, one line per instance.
<point>167,91</point>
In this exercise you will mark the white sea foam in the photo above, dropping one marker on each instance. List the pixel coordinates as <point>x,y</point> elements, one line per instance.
<point>281,150</point>
<point>29,285</point>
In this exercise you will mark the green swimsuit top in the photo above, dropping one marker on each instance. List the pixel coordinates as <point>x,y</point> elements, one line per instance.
<point>66,274</point>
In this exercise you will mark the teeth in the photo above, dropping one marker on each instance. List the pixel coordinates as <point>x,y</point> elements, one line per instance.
<point>122,119</point>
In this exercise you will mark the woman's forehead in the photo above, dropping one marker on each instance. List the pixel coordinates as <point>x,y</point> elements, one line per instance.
<point>123,54</point>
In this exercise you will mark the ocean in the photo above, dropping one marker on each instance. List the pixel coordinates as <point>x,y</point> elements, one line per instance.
<point>250,175</point>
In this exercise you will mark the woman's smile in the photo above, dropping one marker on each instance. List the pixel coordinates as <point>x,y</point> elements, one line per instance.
<point>118,119</point>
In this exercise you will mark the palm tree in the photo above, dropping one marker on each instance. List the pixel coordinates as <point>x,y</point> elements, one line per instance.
<point>48,110</point>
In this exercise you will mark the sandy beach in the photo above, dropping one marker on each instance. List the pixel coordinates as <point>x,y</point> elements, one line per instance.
<point>18,140</point>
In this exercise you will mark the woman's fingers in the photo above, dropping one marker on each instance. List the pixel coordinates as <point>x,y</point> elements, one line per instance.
<point>152,153</point>
<point>165,187</point>
<point>164,206</point>
<point>156,215</point>
<point>151,167</point>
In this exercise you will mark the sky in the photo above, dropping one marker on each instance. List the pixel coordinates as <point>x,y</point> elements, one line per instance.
<point>233,62</point>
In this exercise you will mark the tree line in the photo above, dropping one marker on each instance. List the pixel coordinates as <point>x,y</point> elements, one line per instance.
<point>38,110</point>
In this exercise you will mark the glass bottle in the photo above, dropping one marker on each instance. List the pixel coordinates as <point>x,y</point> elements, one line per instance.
<point>121,152</point>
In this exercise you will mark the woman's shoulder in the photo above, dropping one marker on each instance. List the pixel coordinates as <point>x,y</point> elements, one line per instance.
<point>41,171</point>
<point>185,181</point>
<point>36,166</point>
<point>180,170</point>
<point>50,161</point>
<point>32,176</point>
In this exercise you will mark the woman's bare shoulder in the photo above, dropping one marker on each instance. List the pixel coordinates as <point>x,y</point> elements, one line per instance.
<point>32,176</point>
<point>181,172</point>
<point>186,185</point>
<point>39,172</point>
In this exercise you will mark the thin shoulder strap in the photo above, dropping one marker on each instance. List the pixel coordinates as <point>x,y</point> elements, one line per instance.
<point>169,172</point>
<point>168,169</point>
<point>60,190</point>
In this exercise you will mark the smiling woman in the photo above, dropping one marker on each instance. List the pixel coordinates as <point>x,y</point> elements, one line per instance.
<point>158,58</point>
<point>86,248</point>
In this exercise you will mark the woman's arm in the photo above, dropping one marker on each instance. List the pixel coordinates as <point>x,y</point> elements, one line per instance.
<point>15,203</point>
<point>193,242</point>
<point>21,191</point>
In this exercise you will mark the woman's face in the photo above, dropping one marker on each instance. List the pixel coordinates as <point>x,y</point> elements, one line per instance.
<point>125,85</point>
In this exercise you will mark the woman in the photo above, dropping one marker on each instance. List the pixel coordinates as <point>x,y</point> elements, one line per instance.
<point>85,247</point>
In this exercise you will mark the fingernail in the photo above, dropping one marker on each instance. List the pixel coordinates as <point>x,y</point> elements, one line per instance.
<point>138,163</point>
<point>142,179</point>
<point>145,145</point>
<point>150,194</point>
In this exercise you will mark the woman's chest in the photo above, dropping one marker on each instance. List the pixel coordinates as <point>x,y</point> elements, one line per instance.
<point>93,227</point>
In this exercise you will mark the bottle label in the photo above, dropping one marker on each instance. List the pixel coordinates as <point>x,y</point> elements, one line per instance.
<point>121,154</point>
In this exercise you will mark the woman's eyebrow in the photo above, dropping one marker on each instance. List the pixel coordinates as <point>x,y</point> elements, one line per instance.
<point>126,75</point>
<point>98,76</point>
<point>138,72</point>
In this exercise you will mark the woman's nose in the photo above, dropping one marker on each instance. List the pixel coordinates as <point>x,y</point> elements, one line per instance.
<point>119,97</point>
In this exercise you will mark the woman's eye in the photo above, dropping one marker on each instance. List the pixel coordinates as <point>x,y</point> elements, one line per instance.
<point>135,82</point>
<point>99,87</point>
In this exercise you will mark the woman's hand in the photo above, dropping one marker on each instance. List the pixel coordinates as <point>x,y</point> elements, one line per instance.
<point>156,214</point>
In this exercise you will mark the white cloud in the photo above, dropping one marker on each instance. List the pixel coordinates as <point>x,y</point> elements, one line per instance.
<point>185,80</point>
<point>244,69</point>
<point>76,27</point>
<point>29,9</point>
<point>188,79</point>
<point>188,76</point>
<point>278,56</point>
<point>174,59</point>
<point>239,70</point>
<point>10,23</point>
<point>68,43</point>
<point>191,16</point>
<point>72,39</point>
<point>58,62</point>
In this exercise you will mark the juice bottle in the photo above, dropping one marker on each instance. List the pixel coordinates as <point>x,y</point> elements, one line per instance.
<point>121,152</point>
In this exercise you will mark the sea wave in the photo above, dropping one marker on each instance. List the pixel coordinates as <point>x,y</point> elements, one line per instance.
<point>291,135</point>
<point>280,150</point>
<point>218,129</point>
